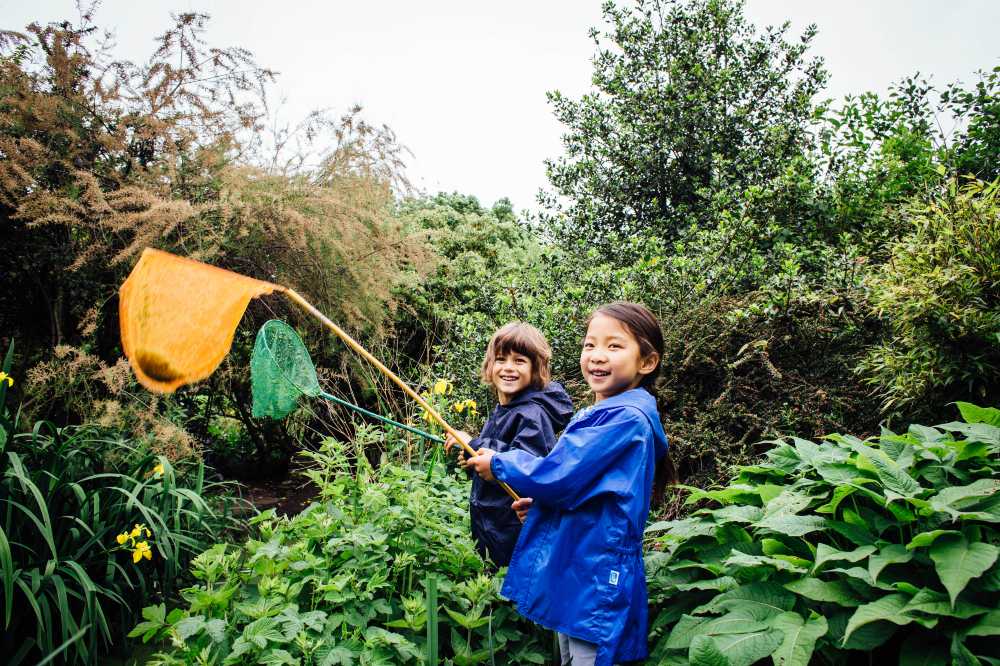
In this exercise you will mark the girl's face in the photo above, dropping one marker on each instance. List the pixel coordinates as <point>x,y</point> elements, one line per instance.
<point>511,374</point>
<point>611,360</point>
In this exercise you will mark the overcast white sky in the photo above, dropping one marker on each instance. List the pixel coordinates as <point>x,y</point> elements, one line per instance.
<point>463,83</point>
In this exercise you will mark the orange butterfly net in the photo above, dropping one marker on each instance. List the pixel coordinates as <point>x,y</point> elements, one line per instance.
<point>178,317</point>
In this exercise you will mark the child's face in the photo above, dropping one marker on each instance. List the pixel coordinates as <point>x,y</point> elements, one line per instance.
<point>511,374</point>
<point>611,360</point>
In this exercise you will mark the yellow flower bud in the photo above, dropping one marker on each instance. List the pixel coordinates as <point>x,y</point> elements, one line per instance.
<point>122,538</point>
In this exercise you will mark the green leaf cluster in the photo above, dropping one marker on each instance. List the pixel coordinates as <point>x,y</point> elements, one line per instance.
<point>67,588</point>
<point>824,551</point>
<point>382,570</point>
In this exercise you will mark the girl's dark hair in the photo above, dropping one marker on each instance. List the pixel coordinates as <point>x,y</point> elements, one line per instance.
<point>645,328</point>
<point>524,339</point>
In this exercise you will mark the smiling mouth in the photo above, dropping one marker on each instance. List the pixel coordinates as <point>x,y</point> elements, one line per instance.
<point>599,373</point>
<point>508,379</point>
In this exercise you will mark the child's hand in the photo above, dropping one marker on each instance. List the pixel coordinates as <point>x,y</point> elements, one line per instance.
<point>481,463</point>
<point>521,507</point>
<point>450,441</point>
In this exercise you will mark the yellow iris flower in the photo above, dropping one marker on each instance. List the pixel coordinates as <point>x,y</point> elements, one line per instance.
<point>142,550</point>
<point>158,470</point>
<point>4,377</point>
<point>442,387</point>
<point>122,538</point>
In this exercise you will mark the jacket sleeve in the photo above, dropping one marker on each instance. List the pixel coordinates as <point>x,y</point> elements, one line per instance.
<point>573,471</point>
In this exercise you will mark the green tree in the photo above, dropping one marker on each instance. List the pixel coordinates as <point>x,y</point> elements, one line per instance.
<point>689,98</point>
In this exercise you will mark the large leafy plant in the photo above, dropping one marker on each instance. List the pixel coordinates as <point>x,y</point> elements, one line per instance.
<point>380,571</point>
<point>92,525</point>
<point>827,551</point>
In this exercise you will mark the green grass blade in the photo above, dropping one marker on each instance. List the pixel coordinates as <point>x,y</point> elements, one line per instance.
<point>65,645</point>
<point>7,570</point>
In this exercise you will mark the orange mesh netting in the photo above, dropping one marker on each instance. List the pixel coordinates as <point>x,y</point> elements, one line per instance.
<point>178,317</point>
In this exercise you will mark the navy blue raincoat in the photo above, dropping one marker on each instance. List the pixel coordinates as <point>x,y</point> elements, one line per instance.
<point>577,567</point>
<point>528,423</point>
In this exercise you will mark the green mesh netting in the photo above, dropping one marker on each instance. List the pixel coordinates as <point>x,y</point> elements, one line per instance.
<point>281,370</point>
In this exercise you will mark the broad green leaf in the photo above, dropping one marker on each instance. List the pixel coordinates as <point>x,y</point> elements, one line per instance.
<point>951,499</point>
<point>792,525</point>
<point>684,632</point>
<point>769,491</point>
<point>789,502</point>
<point>760,600</point>
<point>888,608</point>
<point>809,452</point>
<point>684,529</point>
<point>277,657</point>
<point>826,553</point>
<point>748,648</point>
<point>932,602</point>
<point>719,584</point>
<point>737,513</point>
<point>737,622</point>
<point>974,414</point>
<point>857,534</point>
<point>704,652</point>
<point>838,472</point>
<point>925,433</point>
<point>925,539</point>
<point>840,493</point>
<point>739,559</point>
<point>814,589</point>
<point>189,626</point>
<point>893,554</point>
<point>957,562</point>
<point>799,638</point>
<point>988,625</point>
<point>894,477</point>
<point>784,457</point>
<point>974,432</point>
<point>888,471</point>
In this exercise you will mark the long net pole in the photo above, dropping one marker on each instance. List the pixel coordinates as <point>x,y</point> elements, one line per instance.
<point>353,344</point>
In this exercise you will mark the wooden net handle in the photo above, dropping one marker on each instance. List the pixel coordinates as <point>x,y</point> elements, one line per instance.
<point>353,344</point>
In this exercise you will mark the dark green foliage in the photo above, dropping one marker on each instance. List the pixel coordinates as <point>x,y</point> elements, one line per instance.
<point>940,292</point>
<point>65,495</point>
<point>887,545</point>
<point>366,575</point>
<point>689,98</point>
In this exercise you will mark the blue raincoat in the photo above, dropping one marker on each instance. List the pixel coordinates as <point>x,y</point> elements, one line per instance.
<point>577,567</point>
<point>529,423</point>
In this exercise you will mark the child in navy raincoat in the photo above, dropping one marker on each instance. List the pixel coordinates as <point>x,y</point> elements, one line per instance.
<point>578,567</point>
<point>531,411</point>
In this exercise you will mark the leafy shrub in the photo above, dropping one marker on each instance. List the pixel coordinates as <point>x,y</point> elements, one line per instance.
<point>941,296</point>
<point>76,504</point>
<point>351,579</point>
<point>886,546</point>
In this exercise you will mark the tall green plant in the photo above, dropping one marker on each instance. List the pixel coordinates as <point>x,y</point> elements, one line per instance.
<point>824,551</point>
<point>91,526</point>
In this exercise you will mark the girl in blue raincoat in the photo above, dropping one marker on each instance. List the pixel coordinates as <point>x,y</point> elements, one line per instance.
<point>531,411</point>
<point>577,567</point>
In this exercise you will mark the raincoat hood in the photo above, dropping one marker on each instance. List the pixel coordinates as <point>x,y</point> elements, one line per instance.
<point>553,399</point>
